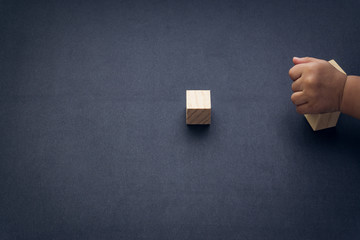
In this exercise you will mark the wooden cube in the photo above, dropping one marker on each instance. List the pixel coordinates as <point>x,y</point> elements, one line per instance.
<point>324,120</point>
<point>198,107</point>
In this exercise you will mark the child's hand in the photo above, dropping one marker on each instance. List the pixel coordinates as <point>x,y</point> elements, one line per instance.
<point>318,86</point>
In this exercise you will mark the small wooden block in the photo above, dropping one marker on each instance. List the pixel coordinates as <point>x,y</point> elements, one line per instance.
<point>324,120</point>
<point>198,107</point>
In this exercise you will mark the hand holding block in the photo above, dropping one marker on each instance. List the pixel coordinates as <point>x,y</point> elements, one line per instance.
<point>198,107</point>
<point>324,120</point>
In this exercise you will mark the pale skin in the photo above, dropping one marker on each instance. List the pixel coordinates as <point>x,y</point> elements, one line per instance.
<point>320,88</point>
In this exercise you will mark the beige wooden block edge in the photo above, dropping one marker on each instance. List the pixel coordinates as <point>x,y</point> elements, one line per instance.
<point>324,120</point>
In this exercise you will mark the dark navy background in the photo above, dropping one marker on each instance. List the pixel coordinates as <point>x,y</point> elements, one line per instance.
<point>93,140</point>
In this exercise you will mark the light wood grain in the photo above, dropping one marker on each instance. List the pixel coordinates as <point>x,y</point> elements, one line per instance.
<point>198,107</point>
<point>324,120</point>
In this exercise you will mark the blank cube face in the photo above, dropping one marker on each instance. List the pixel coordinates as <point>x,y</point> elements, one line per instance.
<point>198,107</point>
<point>322,121</point>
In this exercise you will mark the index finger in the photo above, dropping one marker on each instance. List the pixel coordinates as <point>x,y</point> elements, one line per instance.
<point>296,71</point>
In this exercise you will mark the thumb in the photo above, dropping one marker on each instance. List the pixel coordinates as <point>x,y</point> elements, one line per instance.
<point>297,60</point>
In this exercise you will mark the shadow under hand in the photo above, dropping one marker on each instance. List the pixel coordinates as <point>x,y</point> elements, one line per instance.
<point>339,140</point>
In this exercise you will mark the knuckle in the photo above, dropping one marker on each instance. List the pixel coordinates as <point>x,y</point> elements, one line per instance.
<point>293,87</point>
<point>308,81</point>
<point>316,67</point>
<point>309,68</point>
<point>290,72</point>
<point>312,67</point>
<point>311,81</point>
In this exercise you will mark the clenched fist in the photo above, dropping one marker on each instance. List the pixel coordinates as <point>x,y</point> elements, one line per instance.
<point>318,86</point>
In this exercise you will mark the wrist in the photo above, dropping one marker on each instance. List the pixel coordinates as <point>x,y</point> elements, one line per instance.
<point>349,103</point>
<point>343,95</point>
<point>351,98</point>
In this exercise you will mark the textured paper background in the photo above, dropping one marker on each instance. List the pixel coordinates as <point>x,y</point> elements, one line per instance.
<point>94,143</point>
